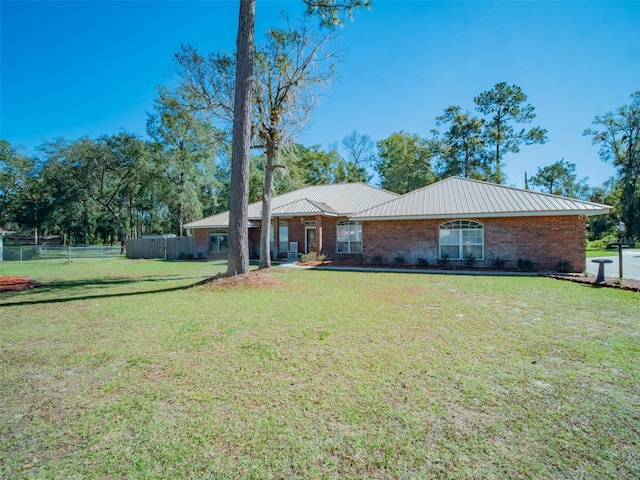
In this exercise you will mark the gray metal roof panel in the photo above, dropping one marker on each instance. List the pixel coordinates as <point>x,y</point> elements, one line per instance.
<point>304,206</point>
<point>461,196</point>
<point>219,220</point>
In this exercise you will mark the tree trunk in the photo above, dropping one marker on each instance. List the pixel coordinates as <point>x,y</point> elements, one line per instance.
<point>265,224</point>
<point>121,233</point>
<point>180,213</point>
<point>240,153</point>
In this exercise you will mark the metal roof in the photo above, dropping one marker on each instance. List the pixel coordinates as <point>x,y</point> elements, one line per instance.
<point>303,207</point>
<point>340,199</point>
<point>462,197</point>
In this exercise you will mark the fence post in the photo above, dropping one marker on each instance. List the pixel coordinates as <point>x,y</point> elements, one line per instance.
<point>69,255</point>
<point>21,254</point>
<point>45,254</point>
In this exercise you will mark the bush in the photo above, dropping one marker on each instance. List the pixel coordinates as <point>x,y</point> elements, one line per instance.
<point>603,242</point>
<point>525,265</point>
<point>470,261</point>
<point>423,262</point>
<point>498,263</point>
<point>377,260</point>
<point>355,258</point>
<point>398,260</point>
<point>312,257</point>
<point>443,261</point>
<point>596,244</point>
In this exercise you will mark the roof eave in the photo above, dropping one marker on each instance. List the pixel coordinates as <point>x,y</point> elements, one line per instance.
<point>587,213</point>
<point>306,214</point>
<point>197,227</point>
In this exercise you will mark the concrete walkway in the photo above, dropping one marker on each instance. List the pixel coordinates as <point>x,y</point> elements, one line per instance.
<point>630,265</point>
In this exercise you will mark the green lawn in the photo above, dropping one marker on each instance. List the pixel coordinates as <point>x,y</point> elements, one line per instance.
<point>116,371</point>
<point>602,252</point>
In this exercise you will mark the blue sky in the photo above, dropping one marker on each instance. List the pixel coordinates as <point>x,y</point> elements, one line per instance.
<point>76,68</point>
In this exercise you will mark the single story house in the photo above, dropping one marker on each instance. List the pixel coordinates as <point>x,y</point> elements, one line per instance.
<point>451,221</point>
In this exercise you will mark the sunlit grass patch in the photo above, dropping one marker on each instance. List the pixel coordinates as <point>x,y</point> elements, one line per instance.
<point>323,375</point>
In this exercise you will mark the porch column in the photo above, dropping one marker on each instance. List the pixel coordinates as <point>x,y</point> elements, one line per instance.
<point>275,223</point>
<point>319,234</point>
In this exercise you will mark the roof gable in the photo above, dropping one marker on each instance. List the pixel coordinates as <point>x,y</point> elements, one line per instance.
<point>303,207</point>
<point>461,197</point>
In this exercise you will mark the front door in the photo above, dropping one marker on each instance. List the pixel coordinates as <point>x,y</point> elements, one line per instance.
<point>310,243</point>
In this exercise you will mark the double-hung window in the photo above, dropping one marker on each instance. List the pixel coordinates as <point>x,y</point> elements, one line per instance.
<point>218,241</point>
<point>349,237</point>
<point>460,239</point>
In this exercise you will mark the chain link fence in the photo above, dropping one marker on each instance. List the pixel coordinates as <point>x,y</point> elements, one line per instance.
<point>25,253</point>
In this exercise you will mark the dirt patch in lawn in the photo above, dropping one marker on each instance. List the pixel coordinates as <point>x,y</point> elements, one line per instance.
<point>254,279</point>
<point>13,283</point>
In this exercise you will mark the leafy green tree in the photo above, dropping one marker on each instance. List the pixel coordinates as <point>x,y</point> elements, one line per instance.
<point>559,178</point>
<point>32,203</point>
<point>460,150</point>
<point>618,136</point>
<point>332,12</point>
<point>602,225</point>
<point>15,169</point>
<point>185,156</point>
<point>505,107</point>
<point>26,197</point>
<point>404,163</point>
<point>74,213</point>
<point>112,169</point>
<point>319,167</point>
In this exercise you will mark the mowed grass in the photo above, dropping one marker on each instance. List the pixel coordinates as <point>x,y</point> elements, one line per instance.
<point>602,252</point>
<point>327,375</point>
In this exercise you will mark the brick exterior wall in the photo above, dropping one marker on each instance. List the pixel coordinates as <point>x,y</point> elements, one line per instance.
<point>201,241</point>
<point>545,241</point>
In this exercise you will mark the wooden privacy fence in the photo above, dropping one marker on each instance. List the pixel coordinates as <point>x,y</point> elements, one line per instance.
<point>165,248</point>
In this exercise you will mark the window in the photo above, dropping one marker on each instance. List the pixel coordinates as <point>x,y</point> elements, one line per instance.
<point>283,238</point>
<point>459,239</point>
<point>349,237</point>
<point>218,241</point>
<point>283,232</point>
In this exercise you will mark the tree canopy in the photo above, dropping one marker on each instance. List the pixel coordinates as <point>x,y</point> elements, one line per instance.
<point>506,108</point>
<point>404,162</point>
<point>559,178</point>
<point>617,134</point>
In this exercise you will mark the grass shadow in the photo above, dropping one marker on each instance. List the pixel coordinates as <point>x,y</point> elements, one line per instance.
<point>92,284</point>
